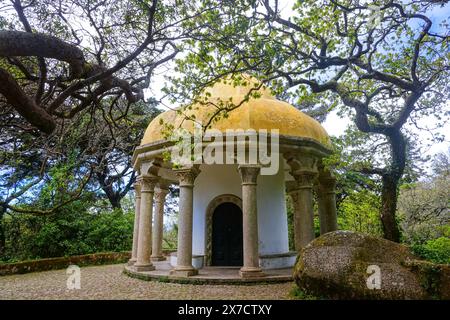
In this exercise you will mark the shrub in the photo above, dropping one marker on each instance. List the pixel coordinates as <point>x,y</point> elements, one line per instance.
<point>297,294</point>
<point>111,232</point>
<point>435,250</point>
<point>73,230</point>
<point>359,211</point>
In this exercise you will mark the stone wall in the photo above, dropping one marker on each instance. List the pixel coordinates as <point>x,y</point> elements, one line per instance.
<point>64,262</point>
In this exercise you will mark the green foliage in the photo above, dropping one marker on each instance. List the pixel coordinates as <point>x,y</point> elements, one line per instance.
<point>290,218</point>
<point>435,250</point>
<point>359,211</point>
<point>73,230</point>
<point>298,294</point>
<point>424,209</point>
<point>111,231</point>
<point>170,238</point>
<point>381,68</point>
<point>357,195</point>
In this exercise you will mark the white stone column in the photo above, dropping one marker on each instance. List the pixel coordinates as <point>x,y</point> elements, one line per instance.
<point>304,213</point>
<point>326,196</point>
<point>143,262</point>
<point>249,175</point>
<point>184,266</point>
<point>137,207</point>
<point>304,170</point>
<point>161,192</point>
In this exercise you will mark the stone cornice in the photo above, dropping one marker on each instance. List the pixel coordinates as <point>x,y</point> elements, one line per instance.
<point>288,144</point>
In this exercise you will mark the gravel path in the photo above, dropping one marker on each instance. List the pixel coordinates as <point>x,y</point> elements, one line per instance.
<point>108,282</point>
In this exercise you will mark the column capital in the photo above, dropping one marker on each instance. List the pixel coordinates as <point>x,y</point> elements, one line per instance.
<point>148,183</point>
<point>302,162</point>
<point>305,179</point>
<point>161,191</point>
<point>249,174</point>
<point>187,176</point>
<point>327,182</point>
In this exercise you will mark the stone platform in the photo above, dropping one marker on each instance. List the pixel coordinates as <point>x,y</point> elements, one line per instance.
<point>209,275</point>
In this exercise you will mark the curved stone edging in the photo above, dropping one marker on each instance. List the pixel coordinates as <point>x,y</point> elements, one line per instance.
<point>198,280</point>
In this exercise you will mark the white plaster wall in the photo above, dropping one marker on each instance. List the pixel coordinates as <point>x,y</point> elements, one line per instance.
<point>215,180</point>
<point>272,216</point>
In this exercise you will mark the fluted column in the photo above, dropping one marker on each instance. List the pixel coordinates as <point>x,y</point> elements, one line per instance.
<point>161,192</point>
<point>137,207</point>
<point>249,175</point>
<point>326,196</point>
<point>186,178</point>
<point>143,262</point>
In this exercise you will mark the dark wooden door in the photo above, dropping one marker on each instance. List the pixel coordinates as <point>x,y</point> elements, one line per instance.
<point>227,235</point>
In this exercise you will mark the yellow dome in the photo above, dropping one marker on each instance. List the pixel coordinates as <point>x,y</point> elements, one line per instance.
<point>264,112</point>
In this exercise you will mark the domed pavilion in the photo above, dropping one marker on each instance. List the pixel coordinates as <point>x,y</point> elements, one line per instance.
<point>233,213</point>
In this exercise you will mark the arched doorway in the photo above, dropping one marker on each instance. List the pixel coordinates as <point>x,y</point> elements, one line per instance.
<point>212,206</point>
<point>227,235</point>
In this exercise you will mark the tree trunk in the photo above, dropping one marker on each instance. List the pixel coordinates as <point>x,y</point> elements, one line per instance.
<point>389,207</point>
<point>24,105</point>
<point>114,199</point>
<point>390,179</point>
<point>107,187</point>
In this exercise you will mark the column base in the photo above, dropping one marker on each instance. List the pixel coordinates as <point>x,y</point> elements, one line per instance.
<point>158,258</point>
<point>144,267</point>
<point>184,272</point>
<point>251,272</point>
<point>132,261</point>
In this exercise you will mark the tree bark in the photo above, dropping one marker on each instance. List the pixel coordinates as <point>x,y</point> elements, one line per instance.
<point>114,199</point>
<point>389,207</point>
<point>24,105</point>
<point>390,184</point>
<point>107,187</point>
<point>113,196</point>
<point>25,44</point>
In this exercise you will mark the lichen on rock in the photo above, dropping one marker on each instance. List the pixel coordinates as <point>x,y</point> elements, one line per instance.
<point>336,266</point>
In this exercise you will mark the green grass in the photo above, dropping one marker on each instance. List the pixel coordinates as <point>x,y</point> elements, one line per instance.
<point>297,294</point>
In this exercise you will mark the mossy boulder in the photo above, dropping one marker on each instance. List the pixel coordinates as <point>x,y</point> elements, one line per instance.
<point>339,265</point>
